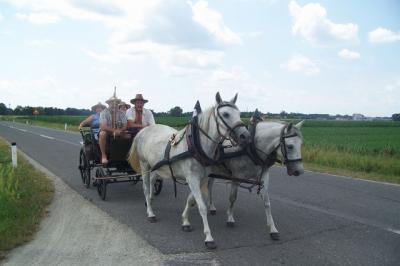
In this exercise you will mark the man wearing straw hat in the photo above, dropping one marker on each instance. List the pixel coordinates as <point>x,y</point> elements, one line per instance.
<point>112,122</point>
<point>139,117</point>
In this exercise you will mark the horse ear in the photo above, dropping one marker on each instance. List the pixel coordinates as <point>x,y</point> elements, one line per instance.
<point>289,127</point>
<point>234,99</point>
<point>197,109</point>
<point>218,98</point>
<point>300,124</point>
<point>256,116</point>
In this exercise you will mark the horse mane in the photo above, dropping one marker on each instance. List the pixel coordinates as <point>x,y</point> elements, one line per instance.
<point>204,118</point>
<point>283,123</point>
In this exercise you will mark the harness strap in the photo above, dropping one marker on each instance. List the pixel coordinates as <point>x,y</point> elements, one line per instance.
<point>168,161</point>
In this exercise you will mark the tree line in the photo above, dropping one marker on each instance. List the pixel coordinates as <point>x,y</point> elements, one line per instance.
<point>174,111</point>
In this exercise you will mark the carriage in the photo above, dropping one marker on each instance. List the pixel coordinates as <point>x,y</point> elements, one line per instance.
<point>117,170</point>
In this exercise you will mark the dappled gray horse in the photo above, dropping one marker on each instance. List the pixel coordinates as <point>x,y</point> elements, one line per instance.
<point>272,140</point>
<point>163,151</point>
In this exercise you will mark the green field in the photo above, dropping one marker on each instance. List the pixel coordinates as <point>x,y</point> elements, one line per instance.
<point>364,149</point>
<point>368,149</point>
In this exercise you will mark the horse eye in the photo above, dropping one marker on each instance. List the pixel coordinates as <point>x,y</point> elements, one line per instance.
<point>226,115</point>
<point>290,147</point>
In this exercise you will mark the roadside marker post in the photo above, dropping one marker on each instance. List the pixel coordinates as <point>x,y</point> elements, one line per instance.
<point>14,154</point>
<point>65,127</point>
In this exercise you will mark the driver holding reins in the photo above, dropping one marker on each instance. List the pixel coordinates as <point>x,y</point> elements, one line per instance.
<point>139,117</point>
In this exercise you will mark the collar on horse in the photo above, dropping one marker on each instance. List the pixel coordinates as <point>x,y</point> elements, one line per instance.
<point>253,152</point>
<point>193,132</point>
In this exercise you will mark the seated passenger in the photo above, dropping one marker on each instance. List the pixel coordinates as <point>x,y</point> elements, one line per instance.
<point>110,127</point>
<point>139,117</point>
<point>94,120</point>
<point>123,106</point>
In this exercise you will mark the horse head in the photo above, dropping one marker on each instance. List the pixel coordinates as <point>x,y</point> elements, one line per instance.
<point>229,124</point>
<point>291,141</point>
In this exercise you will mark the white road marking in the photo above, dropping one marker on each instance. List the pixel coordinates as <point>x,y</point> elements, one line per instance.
<point>394,231</point>
<point>20,129</point>
<point>47,137</point>
<point>332,212</point>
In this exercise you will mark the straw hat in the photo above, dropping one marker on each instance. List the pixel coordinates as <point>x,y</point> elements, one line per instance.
<point>99,104</point>
<point>124,103</point>
<point>139,97</point>
<point>113,99</point>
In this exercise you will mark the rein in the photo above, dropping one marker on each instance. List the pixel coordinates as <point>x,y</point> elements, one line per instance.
<point>195,149</point>
<point>252,152</point>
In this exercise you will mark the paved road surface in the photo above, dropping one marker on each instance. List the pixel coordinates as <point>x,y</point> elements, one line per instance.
<point>322,219</point>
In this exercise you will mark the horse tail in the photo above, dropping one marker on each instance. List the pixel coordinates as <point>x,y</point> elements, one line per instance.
<point>133,158</point>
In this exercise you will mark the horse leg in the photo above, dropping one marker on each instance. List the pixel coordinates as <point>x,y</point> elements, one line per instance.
<point>195,187</point>
<point>185,215</point>
<point>153,178</point>
<point>267,205</point>
<point>213,210</point>
<point>147,190</point>
<point>232,199</point>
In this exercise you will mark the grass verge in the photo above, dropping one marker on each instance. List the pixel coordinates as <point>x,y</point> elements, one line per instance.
<point>333,161</point>
<point>24,195</point>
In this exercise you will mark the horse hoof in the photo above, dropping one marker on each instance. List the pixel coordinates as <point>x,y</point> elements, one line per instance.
<point>152,219</point>
<point>274,236</point>
<point>213,212</point>
<point>230,224</point>
<point>210,245</point>
<point>187,228</point>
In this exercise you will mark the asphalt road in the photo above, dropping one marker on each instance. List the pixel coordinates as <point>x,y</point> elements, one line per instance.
<point>322,219</point>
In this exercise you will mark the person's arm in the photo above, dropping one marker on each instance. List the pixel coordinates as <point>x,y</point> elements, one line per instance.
<point>85,122</point>
<point>124,122</point>
<point>151,118</point>
<point>103,123</point>
<point>131,119</point>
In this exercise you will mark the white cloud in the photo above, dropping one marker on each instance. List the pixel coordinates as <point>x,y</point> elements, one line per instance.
<point>213,22</point>
<point>38,18</point>
<point>182,37</point>
<point>347,54</point>
<point>382,35</point>
<point>311,22</point>
<point>39,43</point>
<point>301,63</point>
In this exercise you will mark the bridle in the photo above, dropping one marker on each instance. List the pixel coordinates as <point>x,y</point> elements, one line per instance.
<point>230,130</point>
<point>282,144</point>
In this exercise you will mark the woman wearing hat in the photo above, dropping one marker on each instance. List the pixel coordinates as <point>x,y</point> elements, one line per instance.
<point>139,117</point>
<point>110,127</point>
<point>123,106</point>
<point>94,120</point>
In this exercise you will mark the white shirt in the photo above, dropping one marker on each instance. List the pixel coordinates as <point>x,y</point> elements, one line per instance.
<point>147,116</point>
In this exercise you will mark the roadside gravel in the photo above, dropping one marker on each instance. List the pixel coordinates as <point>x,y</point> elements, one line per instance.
<point>76,232</point>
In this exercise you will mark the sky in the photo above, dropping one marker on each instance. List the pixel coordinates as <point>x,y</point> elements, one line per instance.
<point>334,57</point>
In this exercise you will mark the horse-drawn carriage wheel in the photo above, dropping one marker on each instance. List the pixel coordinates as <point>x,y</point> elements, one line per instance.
<point>158,186</point>
<point>101,184</point>
<point>84,168</point>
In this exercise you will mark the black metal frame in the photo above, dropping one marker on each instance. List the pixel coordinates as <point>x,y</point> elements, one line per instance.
<point>116,171</point>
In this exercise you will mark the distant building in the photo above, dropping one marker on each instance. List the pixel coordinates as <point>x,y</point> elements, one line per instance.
<point>359,117</point>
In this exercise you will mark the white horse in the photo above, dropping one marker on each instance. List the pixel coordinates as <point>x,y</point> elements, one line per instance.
<point>271,139</point>
<point>215,124</point>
